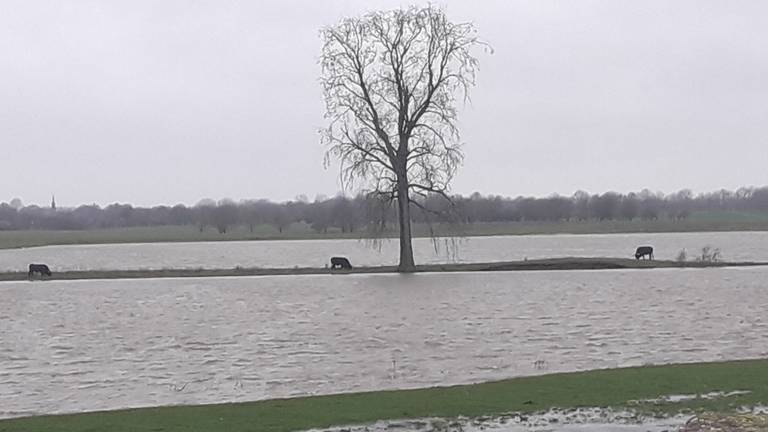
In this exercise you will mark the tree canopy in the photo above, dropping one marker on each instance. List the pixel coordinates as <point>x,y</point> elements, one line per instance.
<point>391,81</point>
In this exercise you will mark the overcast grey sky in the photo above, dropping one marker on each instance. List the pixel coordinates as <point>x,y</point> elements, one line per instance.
<point>161,102</point>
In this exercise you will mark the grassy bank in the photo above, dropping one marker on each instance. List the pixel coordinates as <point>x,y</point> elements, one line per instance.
<point>528,265</point>
<point>710,221</point>
<point>617,388</point>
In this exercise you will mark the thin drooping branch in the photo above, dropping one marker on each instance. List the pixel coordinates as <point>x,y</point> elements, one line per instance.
<point>390,81</point>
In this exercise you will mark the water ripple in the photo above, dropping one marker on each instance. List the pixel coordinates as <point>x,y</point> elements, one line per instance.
<point>72,346</point>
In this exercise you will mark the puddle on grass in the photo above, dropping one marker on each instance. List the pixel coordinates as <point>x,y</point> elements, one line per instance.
<point>570,420</point>
<point>689,397</point>
<point>555,420</point>
<point>750,421</point>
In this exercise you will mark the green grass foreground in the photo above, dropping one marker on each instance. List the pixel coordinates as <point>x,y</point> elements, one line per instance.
<point>548,264</point>
<point>616,388</point>
<point>702,221</point>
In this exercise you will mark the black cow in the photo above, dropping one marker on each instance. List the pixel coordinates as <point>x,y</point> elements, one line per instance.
<point>642,251</point>
<point>38,268</point>
<point>340,262</point>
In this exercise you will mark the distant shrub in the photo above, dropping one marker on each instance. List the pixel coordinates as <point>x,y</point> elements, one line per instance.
<point>682,256</point>
<point>708,254</point>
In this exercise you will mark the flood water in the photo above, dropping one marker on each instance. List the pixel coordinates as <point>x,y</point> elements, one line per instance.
<point>68,346</point>
<point>735,246</point>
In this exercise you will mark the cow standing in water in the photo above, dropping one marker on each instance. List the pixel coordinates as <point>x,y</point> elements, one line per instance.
<point>340,262</point>
<point>39,268</point>
<point>642,251</point>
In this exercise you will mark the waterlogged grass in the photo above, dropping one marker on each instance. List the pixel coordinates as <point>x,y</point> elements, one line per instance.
<point>31,238</point>
<point>617,388</point>
<point>725,217</point>
<point>704,221</point>
<point>549,264</point>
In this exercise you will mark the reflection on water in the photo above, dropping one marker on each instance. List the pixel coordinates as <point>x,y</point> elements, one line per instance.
<point>87,345</point>
<point>735,246</point>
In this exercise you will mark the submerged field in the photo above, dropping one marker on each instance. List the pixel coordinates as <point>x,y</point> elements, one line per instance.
<point>553,264</point>
<point>72,346</point>
<point>641,389</point>
<point>708,221</point>
<point>124,343</point>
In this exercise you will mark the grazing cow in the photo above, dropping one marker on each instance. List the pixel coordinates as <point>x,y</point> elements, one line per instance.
<point>39,268</point>
<point>340,262</point>
<point>642,251</point>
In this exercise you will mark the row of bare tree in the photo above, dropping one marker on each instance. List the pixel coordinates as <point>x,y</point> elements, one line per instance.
<point>359,213</point>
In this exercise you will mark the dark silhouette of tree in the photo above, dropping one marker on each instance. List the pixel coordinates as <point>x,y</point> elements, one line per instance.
<point>89,216</point>
<point>344,213</point>
<point>224,215</point>
<point>8,217</point>
<point>651,205</point>
<point>204,211</point>
<point>557,208</point>
<point>117,215</point>
<point>680,204</point>
<point>371,215</point>
<point>629,207</point>
<point>181,215</point>
<point>759,199</point>
<point>319,215</point>
<point>581,209</point>
<point>278,216</point>
<point>390,81</point>
<point>605,206</point>
<point>252,214</point>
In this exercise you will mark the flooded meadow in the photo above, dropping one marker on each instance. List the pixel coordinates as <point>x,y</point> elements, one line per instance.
<point>70,346</point>
<point>734,246</point>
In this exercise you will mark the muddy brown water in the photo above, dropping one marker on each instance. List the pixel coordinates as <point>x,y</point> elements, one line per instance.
<point>735,246</point>
<point>69,346</point>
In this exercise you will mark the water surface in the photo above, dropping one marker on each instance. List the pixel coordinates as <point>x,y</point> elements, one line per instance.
<point>735,246</point>
<point>68,346</point>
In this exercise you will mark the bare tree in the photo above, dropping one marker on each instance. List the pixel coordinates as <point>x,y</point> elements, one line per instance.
<point>391,81</point>
<point>225,215</point>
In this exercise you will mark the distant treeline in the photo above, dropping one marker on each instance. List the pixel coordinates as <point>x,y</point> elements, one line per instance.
<point>360,212</point>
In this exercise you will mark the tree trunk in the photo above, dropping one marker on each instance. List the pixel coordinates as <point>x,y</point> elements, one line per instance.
<point>404,218</point>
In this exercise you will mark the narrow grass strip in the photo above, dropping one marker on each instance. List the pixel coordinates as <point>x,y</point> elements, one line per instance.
<point>700,222</point>
<point>547,264</point>
<point>603,388</point>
